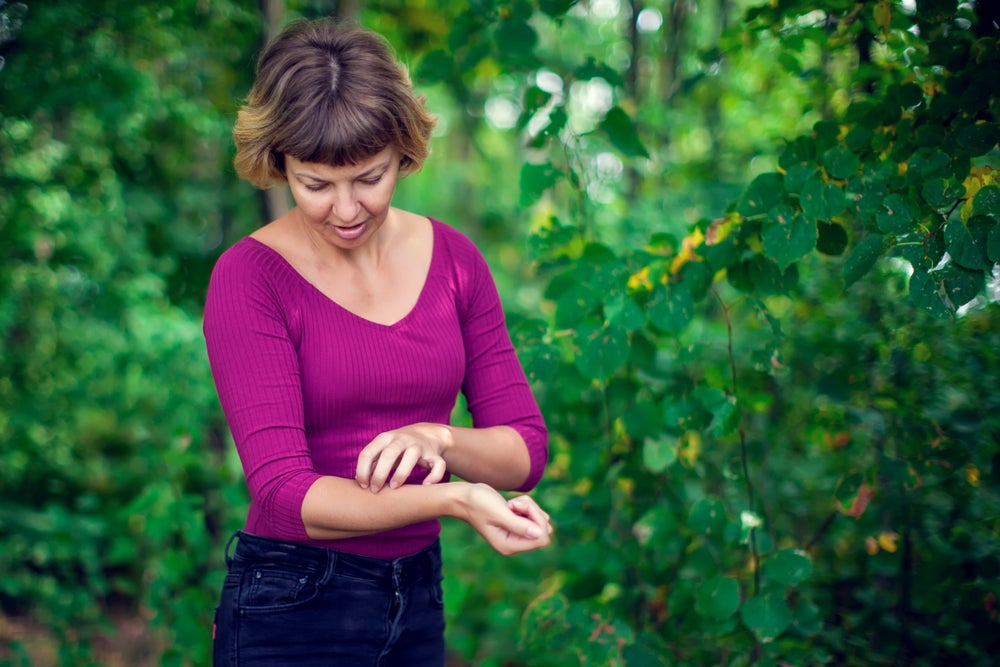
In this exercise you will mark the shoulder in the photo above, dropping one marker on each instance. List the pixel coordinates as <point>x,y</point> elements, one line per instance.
<point>457,246</point>
<point>249,266</point>
<point>246,256</point>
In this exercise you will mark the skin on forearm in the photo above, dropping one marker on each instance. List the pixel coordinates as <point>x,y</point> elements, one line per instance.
<point>335,508</point>
<point>496,456</point>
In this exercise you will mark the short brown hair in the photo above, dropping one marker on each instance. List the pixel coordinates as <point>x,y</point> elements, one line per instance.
<point>328,93</point>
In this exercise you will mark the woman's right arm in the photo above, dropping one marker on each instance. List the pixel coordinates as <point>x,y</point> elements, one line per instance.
<point>335,508</point>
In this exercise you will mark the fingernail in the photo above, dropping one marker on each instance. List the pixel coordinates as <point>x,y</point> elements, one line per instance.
<point>532,533</point>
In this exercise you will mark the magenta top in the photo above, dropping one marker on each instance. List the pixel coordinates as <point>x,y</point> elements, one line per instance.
<point>305,384</point>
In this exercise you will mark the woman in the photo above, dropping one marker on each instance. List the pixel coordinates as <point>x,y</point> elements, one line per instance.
<point>339,337</point>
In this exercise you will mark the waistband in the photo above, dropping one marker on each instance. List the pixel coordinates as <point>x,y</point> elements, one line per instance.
<point>253,550</point>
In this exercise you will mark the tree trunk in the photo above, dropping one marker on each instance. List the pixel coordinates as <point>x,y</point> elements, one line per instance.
<point>274,202</point>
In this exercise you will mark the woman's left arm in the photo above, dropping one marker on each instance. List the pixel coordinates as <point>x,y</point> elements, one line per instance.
<point>507,448</point>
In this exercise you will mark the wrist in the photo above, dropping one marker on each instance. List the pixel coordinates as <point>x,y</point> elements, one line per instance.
<point>458,500</point>
<point>446,438</point>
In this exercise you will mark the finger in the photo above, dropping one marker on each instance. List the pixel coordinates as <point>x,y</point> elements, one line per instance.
<point>527,526</point>
<point>404,467</point>
<point>367,459</point>
<point>437,472</point>
<point>384,466</point>
<point>527,507</point>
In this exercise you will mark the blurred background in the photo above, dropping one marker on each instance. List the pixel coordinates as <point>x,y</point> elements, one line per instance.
<point>748,252</point>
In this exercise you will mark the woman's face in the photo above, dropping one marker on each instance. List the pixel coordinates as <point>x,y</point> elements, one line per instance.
<point>346,205</point>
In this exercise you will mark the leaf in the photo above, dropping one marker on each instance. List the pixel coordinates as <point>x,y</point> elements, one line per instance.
<point>847,490</point>
<point>897,216</point>
<point>767,615</point>
<point>538,357</point>
<point>967,244</point>
<point>929,164</point>
<point>621,310</point>
<point>808,618</point>
<point>436,67</point>
<point>993,244</point>
<point>723,408</point>
<point>575,304</point>
<point>863,258</point>
<point>787,237</point>
<point>882,12</point>
<point>789,566</point>
<point>910,95</point>
<point>797,176</point>
<point>621,131</point>
<point>602,350</point>
<point>638,655</point>
<point>987,202</point>
<point>941,193</point>
<point>764,192</point>
<point>659,453</point>
<point>514,43</point>
<point>924,293</point>
<point>977,139</point>
<point>822,201</point>
<point>707,517</point>
<point>535,180</point>
<point>831,238</point>
<point>556,8</point>
<point>671,308</point>
<point>961,285</point>
<point>718,597</point>
<point>840,163</point>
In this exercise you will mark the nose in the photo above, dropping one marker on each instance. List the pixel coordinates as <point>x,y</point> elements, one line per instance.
<point>346,205</point>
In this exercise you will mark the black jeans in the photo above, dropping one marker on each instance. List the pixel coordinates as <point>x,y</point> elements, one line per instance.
<point>291,604</point>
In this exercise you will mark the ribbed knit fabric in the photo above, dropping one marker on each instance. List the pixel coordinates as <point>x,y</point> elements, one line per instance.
<point>305,384</point>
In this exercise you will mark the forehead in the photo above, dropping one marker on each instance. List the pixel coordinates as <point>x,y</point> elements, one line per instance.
<point>322,170</point>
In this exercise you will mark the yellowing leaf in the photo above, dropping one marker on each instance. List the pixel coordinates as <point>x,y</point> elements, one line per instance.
<point>978,178</point>
<point>690,448</point>
<point>883,15</point>
<point>887,541</point>
<point>687,253</point>
<point>972,475</point>
<point>871,546</point>
<point>721,228</point>
<point>640,280</point>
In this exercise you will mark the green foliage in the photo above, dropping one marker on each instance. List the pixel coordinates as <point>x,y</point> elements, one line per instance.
<point>762,321</point>
<point>115,490</point>
<point>752,433</point>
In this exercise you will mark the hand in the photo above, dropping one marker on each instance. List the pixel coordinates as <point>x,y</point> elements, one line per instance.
<point>509,526</point>
<point>393,455</point>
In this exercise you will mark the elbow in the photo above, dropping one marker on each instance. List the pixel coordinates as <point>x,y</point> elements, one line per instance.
<point>280,506</point>
<point>536,439</point>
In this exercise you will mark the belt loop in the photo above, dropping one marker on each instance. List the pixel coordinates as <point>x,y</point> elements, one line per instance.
<point>229,559</point>
<point>331,565</point>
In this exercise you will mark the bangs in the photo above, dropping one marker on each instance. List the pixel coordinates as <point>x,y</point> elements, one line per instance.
<point>339,134</point>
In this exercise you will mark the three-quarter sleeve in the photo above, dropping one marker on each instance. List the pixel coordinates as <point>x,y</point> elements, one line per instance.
<point>256,372</point>
<point>495,386</point>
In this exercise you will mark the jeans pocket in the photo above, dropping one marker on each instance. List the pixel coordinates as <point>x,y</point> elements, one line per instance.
<point>271,589</point>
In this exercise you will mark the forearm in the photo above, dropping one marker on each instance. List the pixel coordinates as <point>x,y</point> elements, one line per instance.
<point>496,456</point>
<point>336,508</point>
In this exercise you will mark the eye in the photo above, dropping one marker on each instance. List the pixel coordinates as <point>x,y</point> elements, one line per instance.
<point>316,188</point>
<point>372,181</point>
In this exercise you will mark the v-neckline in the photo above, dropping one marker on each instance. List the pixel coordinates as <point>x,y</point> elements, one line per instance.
<point>361,318</point>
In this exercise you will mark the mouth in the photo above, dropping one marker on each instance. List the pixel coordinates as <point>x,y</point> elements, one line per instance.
<point>350,233</point>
